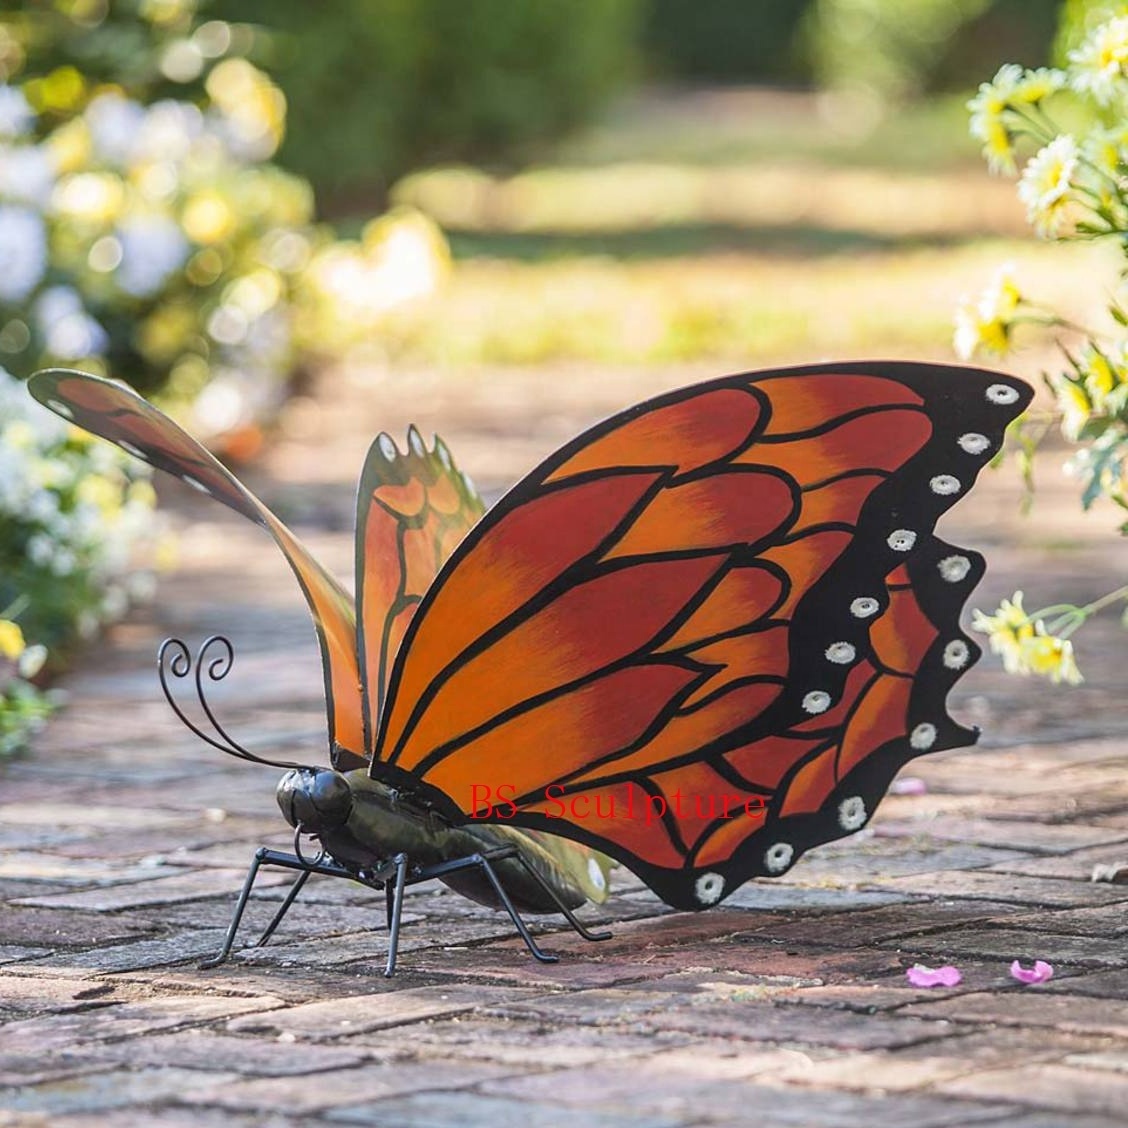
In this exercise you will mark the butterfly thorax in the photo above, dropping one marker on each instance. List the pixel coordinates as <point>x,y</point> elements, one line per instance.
<point>361,823</point>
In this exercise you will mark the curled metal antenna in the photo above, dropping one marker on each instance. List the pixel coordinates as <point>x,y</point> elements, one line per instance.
<point>175,659</point>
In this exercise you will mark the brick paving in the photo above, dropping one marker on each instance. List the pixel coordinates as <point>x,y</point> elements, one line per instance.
<point>123,841</point>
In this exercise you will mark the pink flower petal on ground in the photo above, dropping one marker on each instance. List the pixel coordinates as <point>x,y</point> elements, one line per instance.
<point>921,976</point>
<point>910,785</point>
<point>1039,973</point>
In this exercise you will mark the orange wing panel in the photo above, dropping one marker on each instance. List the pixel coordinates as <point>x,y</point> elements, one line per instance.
<point>800,403</point>
<point>684,435</point>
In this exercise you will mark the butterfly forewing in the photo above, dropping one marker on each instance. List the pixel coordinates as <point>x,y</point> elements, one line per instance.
<point>117,413</point>
<point>724,609</point>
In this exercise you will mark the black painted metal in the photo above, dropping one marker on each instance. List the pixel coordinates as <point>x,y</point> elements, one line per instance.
<point>393,876</point>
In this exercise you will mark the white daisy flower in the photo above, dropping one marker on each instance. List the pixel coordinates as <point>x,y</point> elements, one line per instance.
<point>1046,183</point>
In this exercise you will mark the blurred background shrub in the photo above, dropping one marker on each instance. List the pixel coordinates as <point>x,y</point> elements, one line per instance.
<point>378,87</point>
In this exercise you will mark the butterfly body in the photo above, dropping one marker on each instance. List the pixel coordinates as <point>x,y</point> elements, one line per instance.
<point>362,823</point>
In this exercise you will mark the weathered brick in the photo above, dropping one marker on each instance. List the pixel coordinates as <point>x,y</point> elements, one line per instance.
<point>357,1014</point>
<point>109,1090</point>
<point>473,1109</point>
<point>1062,1087</point>
<point>308,1094</point>
<point>986,885</point>
<point>1031,1007</point>
<point>1010,944</point>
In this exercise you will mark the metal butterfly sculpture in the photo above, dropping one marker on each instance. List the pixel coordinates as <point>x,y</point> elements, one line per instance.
<point>701,638</point>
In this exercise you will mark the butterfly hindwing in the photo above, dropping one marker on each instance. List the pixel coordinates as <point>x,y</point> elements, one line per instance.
<point>117,413</point>
<point>413,509</point>
<point>704,635</point>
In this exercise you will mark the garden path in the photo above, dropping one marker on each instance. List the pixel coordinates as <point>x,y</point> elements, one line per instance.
<point>122,840</point>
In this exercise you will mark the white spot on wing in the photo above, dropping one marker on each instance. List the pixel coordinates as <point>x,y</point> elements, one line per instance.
<point>387,447</point>
<point>954,568</point>
<point>708,888</point>
<point>60,408</point>
<point>137,452</point>
<point>817,701</point>
<point>841,653</point>
<point>974,443</point>
<point>864,606</point>
<point>944,484</point>
<point>923,737</point>
<point>415,441</point>
<point>195,483</point>
<point>852,813</point>
<point>778,857</point>
<point>901,540</point>
<point>956,654</point>
<point>1002,394</point>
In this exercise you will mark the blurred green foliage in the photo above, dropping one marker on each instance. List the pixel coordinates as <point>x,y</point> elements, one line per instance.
<point>379,87</point>
<point>900,48</point>
<point>726,40</point>
<point>1078,18</point>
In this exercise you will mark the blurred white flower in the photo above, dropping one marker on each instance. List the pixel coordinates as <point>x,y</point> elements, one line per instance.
<point>27,174</point>
<point>1047,180</point>
<point>23,252</point>
<point>40,549</point>
<point>168,131</point>
<point>1098,65</point>
<point>67,328</point>
<point>115,125</point>
<point>152,248</point>
<point>16,115</point>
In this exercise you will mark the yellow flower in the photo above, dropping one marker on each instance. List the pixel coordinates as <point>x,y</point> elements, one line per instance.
<point>1051,657</point>
<point>1007,630</point>
<point>998,147</point>
<point>1025,646</point>
<point>142,493</point>
<point>1076,407</point>
<point>11,640</point>
<point>90,197</point>
<point>987,323</point>
<point>1036,85</point>
<point>1046,183</point>
<point>207,218</point>
<point>987,124</point>
<point>70,146</point>
<point>19,435</point>
<point>1098,65</point>
<point>1102,375</point>
<point>99,491</point>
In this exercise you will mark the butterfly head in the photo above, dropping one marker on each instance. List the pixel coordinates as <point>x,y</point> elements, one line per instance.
<point>314,799</point>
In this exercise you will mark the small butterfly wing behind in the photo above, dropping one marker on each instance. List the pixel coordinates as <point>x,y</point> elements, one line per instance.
<point>117,413</point>
<point>730,593</point>
<point>413,509</point>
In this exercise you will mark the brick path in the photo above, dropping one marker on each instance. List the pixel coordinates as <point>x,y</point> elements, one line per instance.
<point>122,841</point>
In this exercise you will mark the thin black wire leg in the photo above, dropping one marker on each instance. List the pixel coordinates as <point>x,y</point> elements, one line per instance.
<point>394,894</point>
<point>569,916</point>
<point>214,961</point>
<point>284,908</point>
<point>514,915</point>
<point>267,857</point>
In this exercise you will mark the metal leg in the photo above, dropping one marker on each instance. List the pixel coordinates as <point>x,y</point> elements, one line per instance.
<point>569,916</point>
<point>518,923</point>
<point>395,914</point>
<point>260,856</point>
<point>284,908</point>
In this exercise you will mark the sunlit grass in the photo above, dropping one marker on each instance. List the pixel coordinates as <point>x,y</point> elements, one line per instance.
<point>741,125</point>
<point>736,308</point>
<point>742,227</point>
